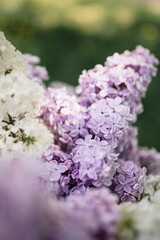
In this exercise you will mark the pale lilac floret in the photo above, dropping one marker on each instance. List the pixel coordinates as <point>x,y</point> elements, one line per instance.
<point>55,170</point>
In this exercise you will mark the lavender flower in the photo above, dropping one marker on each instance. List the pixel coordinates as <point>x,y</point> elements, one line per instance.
<point>34,71</point>
<point>129,181</point>
<point>65,116</point>
<point>94,162</point>
<point>125,75</point>
<point>149,159</point>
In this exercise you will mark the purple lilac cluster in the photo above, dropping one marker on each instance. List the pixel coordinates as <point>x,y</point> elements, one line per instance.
<point>108,119</point>
<point>94,162</point>
<point>125,75</point>
<point>129,181</point>
<point>35,71</point>
<point>94,130</point>
<point>95,216</point>
<point>149,159</point>
<point>65,116</point>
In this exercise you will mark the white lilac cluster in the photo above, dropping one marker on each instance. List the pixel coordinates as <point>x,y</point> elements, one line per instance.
<point>72,188</point>
<point>20,105</point>
<point>140,221</point>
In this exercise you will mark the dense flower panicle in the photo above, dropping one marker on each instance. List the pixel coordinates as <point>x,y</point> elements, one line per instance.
<point>150,159</point>
<point>65,116</point>
<point>20,96</point>
<point>129,181</point>
<point>93,84</point>
<point>109,119</point>
<point>137,68</point>
<point>10,58</point>
<point>95,163</point>
<point>20,103</point>
<point>95,216</point>
<point>34,71</point>
<point>126,75</point>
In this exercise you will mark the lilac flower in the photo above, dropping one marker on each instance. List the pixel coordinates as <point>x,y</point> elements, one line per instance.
<point>65,117</point>
<point>125,184</point>
<point>79,129</point>
<point>93,161</point>
<point>129,181</point>
<point>55,170</point>
<point>100,108</point>
<point>149,159</point>
<point>86,142</point>
<point>87,170</point>
<point>96,123</point>
<point>112,136</point>
<point>124,78</point>
<point>94,132</point>
<point>55,173</point>
<point>38,73</point>
<point>114,122</point>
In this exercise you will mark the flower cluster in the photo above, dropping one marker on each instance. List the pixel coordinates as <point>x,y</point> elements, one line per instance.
<point>95,128</point>
<point>129,181</point>
<point>56,171</point>
<point>149,159</point>
<point>109,119</point>
<point>65,116</point>
<point>125,75</point>
<point>20,104</point>
<point>140,221</point>
<point>72,182</point>
<point>94,162</point>
<point>34,71</point>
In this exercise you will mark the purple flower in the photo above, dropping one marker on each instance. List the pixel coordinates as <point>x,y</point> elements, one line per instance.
<point>79,129</point>
<point>38,73</point>
<point>96,124</point>
<point>55,169</point>
<point>124,183</point>
<point>149,159</point>
<point>129,181</point>
<point>87,170</point>
<point>114,122</point>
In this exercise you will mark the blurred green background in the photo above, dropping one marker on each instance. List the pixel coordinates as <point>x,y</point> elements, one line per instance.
<point>72,35</point>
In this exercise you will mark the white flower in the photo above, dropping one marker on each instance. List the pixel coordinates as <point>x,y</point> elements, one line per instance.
<point>20,103</point>
<point>26,135</point>
<point>140,221</point>
<point>10,58</point>
<point>19,95</point>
